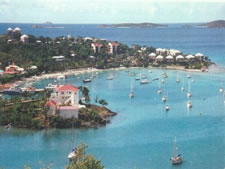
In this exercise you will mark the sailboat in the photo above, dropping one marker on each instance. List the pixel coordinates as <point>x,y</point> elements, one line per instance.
<point>221,90</point>
<point>177,79</point>
<point>176,159</point>
<point>159,89</point>
<point>131,95</point>
<point>167,108</point>
<point>182,87</point>
<point>189,104</point>
<point>189,90</point>
<point>72,154</point>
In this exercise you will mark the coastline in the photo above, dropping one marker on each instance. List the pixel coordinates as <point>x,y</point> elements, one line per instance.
<point>90,70</point>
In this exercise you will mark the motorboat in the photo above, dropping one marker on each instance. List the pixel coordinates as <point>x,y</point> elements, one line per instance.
<point>137,78</point>
<point>61,77</point>
<point>143,76</point>
<point>109,78</point>
<point>156,78</point>
<point>145,81</point>
<point>87,80</point>
<point>162,81</point>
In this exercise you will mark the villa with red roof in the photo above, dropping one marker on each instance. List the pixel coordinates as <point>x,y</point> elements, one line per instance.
<point>96,47</point>
<point>113,47</point>
<point>65,99</point>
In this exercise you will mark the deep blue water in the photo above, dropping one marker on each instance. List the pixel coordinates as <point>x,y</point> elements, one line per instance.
<point>141,135</point>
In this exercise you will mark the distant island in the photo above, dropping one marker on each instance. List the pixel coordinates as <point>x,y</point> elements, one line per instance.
<point>133,25</point>
<point>214,24</point>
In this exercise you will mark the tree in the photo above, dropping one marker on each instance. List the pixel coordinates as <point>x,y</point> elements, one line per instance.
<point>85,93</point>
<point>83,160</point>
<point>103,102</point>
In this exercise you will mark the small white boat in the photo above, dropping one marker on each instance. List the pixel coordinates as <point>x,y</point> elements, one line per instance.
<point>188,94</point>
<point>109,78</point>
<point>150,71</point>
<point>176,159</point>
<point>188,76</point>
<point>164,98</point>
<point>145,81</point>
<point>189,104</point>
<point>156,78</point>
<point>87,80</point>
<point>159,90</point>
<point>177,79</point>
<point>72,154</point>
<point>137,78</point>
<point>167,108</point>
<point>162,81</point>
<point>143,76</point>
<point>221,90</point>
<point>61,77</point>
<point>182,89</point>
<point>131,95</point>
<point>189,90</point>
<point>131,74</point>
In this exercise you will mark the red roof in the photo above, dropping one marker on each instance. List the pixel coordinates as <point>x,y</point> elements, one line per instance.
<point>97,44</point>
<point>50,103</point>
<point>66,88</point>
<point>114,43</point>
<point>68,107</point>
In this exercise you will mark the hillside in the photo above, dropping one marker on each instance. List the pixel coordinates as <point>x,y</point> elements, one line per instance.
<point>214,24</point>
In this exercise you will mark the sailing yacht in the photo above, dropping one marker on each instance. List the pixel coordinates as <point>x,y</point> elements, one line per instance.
<point>189,104</point>
<point>159,89</point>
<point>164,98</point>
<point>176,159</point>
<point>221,90</point>
<point>131,95</point>
<point>177,79</point>
<point>167,108</point>
<point>72,154</point>
<point>189,90</point>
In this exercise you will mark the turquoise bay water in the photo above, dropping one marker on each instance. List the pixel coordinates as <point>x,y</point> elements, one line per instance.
<point>141,135</point>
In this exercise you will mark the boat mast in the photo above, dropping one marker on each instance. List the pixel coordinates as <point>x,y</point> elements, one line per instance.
<point>175,148</point>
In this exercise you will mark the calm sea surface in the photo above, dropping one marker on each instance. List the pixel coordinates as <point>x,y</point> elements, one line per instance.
<point>141,135</point>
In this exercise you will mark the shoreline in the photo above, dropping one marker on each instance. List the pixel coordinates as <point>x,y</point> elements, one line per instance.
<point>75,72</point>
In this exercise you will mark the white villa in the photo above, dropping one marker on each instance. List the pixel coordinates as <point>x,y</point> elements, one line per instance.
<point>65,99</point>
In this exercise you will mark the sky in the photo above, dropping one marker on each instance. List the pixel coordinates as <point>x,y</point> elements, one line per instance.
<point>111,11</point>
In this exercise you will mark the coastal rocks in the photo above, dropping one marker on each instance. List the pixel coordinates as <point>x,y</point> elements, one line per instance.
<point>94,116</point>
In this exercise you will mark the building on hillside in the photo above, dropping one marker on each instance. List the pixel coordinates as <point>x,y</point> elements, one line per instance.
<point>113,47</point>
<point>52,107</point>
<point>10,33</point>
<point>67,104</point>
<point>96,47</point>
<point>58,58</point>
<point>24,38</point>
<point>13,69</point>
